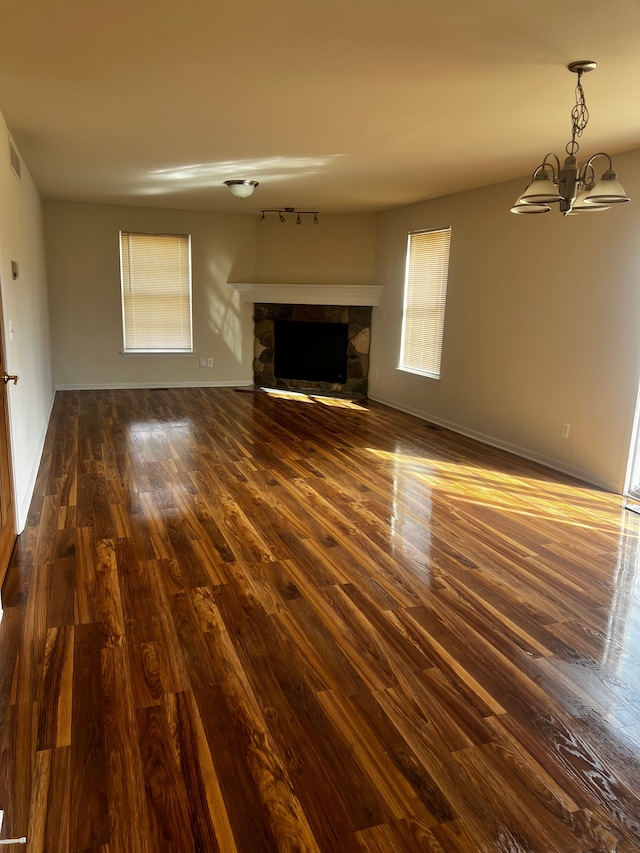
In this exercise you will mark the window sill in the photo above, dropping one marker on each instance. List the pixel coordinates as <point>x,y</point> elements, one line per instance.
<point>154,353</point>
<point>423,373</point>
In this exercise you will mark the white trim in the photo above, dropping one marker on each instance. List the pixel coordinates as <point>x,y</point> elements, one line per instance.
<point>310,294</point>
<point>23,511</point>
<point>415,371</point>
<point>23,838</point>
<point>155,353</point>
<point>492,441</point>
<point>123,386</point>
<point>632,471</point>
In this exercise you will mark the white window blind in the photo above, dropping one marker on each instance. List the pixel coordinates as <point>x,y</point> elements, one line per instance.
<point>425,294</point>
<point>156,292</point>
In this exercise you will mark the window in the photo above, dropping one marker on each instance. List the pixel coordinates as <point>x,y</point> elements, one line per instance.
<point>155,270</point>
<point>425,292</point>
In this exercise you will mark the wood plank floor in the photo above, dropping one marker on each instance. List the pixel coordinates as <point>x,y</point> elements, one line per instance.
<point>243,622</point>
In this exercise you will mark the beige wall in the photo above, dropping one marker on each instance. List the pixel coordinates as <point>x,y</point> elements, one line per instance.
<point>338,250</point>
<point>542,326</point>
<point>83,263</point>
<point>25,308</point>
<point>86,320</point>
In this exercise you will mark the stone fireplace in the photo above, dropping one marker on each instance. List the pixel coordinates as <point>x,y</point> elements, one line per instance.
<point>268,316</point>
<point>301,313</point>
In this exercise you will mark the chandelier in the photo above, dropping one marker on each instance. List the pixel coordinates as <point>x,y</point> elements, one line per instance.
<point>574,187</point>
<point>289,210</point>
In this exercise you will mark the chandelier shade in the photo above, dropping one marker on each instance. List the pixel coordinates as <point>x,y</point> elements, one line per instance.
<point>582,204</point>
<point>529,207</point>
<point>608,190</point>
<point>541,190</point>
<point>573,187</point>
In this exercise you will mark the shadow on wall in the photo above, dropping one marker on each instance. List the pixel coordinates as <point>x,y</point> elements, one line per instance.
<point>224,308</point>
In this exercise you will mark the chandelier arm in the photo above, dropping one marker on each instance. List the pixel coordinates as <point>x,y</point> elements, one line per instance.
<point>599,154</point>
<point>587,175</point>
<point>556,170</point>
<point>543,167</point>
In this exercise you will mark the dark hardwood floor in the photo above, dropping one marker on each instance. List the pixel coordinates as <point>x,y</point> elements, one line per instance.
<point>240,622</point>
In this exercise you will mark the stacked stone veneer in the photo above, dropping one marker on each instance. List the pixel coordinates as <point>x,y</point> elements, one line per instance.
<point>359,322</point>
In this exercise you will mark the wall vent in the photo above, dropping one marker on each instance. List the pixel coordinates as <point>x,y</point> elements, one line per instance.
<point>14,161</point>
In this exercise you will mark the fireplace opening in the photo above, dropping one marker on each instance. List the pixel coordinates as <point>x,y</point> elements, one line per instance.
<point>316,352</point>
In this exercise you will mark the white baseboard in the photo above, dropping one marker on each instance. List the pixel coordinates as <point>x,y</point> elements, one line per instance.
<point>123,386</point>
<point>492,441</point>
<point>23,509</point>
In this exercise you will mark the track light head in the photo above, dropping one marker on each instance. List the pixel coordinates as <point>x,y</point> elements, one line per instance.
<point>280,211</point>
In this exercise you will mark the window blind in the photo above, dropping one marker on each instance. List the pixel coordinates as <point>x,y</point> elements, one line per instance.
<point>156,292</point>
<point>424,301</point>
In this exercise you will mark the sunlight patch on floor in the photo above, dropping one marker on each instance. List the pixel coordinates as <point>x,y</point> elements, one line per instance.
<point>301,397</point>
<point>475,484</point>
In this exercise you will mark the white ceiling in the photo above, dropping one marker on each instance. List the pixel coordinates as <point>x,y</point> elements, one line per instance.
<point>338,106</point>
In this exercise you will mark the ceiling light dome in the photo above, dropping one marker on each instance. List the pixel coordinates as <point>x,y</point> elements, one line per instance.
<point>242,189</point>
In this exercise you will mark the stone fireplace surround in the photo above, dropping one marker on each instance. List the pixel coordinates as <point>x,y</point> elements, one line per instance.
<point>359,322</point>
<point>312,303</point>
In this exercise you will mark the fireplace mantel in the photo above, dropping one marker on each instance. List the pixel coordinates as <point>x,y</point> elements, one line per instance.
<point>311,294</point>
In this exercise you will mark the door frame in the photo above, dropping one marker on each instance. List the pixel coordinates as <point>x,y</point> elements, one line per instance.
<point>632,478</point>
<point>9,532</point>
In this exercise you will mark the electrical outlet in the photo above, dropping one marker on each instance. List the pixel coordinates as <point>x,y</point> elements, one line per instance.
<point>209,362</point>
<point>565,430</point>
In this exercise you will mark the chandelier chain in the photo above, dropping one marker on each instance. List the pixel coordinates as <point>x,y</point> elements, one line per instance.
<point>580,118</point>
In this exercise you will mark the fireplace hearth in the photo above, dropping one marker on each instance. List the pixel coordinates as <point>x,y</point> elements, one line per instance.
<point>321,348</point>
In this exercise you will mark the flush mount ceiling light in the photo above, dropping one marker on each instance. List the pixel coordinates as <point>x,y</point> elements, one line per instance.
<point>242,189</point>
<point>573,187</point>
<point>280,211</point>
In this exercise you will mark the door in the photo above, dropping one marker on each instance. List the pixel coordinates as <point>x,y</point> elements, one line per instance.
<point>633,478</point>
<point>7,514</point>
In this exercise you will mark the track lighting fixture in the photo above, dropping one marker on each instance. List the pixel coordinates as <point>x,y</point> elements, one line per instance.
<point>242,189</point>
<point>280,211</point>
<point>575,188</point>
